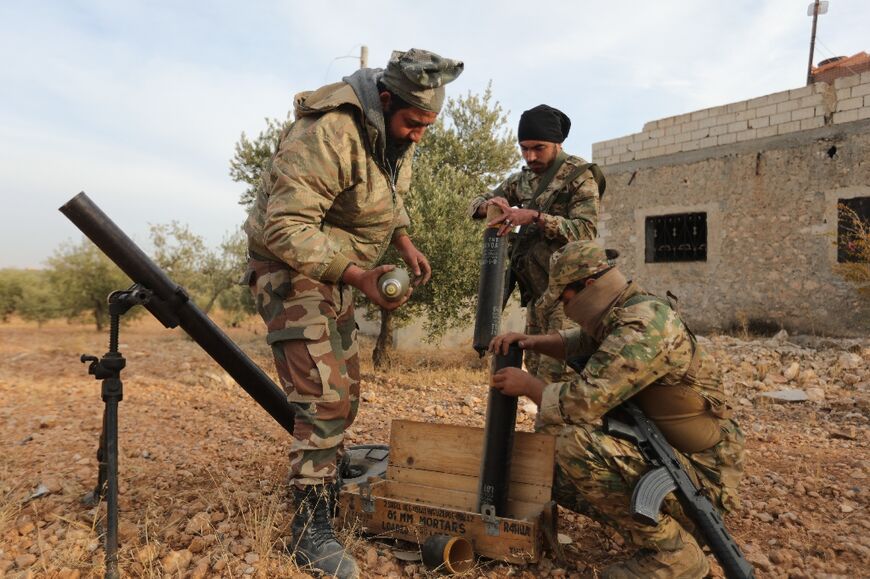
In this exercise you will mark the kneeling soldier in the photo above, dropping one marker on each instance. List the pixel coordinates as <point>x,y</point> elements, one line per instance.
<point>638,348</point>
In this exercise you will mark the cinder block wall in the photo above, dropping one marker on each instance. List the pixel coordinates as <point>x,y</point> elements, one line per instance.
<point>781,113</point>
<point>768,172</point>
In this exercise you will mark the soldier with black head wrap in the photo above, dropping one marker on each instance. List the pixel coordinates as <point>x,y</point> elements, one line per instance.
<point>554,200</point>
<point>329,204</point>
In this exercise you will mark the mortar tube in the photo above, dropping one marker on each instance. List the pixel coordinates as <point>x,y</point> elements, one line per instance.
<point>175,309</point>
<point>490,291</point>
<point>498,440</point>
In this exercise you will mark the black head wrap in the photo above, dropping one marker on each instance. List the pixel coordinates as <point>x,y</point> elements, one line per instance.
<point>543,123</point>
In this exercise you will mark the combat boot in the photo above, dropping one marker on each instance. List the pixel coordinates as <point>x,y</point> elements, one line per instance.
<point>685,561</point>
<point>315,545</point>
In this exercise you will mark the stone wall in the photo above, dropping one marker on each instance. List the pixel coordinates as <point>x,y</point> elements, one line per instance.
<point>768,173</point>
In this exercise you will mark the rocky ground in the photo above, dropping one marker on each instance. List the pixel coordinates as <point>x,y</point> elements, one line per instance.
<point>202,466</point>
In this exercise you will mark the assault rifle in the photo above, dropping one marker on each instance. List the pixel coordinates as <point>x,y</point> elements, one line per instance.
<point>667,475</point>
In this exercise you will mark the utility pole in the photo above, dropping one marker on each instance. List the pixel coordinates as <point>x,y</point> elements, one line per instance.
<point>814,10</point>
<point>364,56</point>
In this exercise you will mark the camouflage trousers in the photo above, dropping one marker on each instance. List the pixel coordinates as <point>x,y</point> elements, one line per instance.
<point>313,335</point>
<point>596,475</point>
<point>539,321</point>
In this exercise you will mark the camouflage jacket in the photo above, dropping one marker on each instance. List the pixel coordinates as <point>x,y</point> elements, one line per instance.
<point>328,198</point>
<point>569,212</point>
<point>649,355</point>
<point>646,345</point>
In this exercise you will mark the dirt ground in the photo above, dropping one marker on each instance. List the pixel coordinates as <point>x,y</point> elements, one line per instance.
<point>202,467</point>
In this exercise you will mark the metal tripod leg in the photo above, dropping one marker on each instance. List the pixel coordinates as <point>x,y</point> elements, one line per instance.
<point>112,394</point>
<point>108,369</point>
<point>93,498</point>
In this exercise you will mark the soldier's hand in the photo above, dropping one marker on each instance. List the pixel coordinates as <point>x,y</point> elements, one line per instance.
<point>414,259</point>
<point>500,344</point>
<point>366,281</point>
<point>512,217</point>
<point>515,382</point>
<point>499,202</point>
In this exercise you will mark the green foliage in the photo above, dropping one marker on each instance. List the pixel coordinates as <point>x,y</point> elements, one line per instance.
<point>41,300</point>
<point>472,137</point>
<point>29,294</point>
<point>236,301</point>
<point>82,278</point>
<point>179,252</point>
<point>12,284</point>
<point>462,156</point>
<point>252,156</point>
<point>204,272</point>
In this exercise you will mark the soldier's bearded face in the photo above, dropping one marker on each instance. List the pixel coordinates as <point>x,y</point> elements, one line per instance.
<point>539,155</point>
<point>408,125</point>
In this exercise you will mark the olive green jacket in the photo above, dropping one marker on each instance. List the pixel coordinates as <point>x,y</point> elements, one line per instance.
<point>328,197</point>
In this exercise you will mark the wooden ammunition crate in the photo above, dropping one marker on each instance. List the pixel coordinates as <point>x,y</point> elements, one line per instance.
<point>431,489</point>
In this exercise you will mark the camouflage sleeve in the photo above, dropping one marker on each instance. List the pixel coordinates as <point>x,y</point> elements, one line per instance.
<point>308,172</point>
<point>577,343</point>
<point>632,356</point>
<point>581,220</point>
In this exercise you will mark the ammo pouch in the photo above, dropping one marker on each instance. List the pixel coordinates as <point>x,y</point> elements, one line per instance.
<point>688,420</point>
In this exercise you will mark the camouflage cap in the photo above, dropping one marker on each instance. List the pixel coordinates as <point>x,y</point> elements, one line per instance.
<point>419,76</point>
<point>575,261</point>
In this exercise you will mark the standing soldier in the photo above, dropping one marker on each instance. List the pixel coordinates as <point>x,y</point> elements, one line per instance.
<point>554,200</point>
<point>638,348</point>
<point>329,204</point>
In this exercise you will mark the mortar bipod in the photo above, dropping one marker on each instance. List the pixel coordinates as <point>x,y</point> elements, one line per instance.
<point>108,369</point>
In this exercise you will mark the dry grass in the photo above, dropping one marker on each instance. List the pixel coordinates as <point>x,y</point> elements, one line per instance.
<point>9,506</point>
<point>83,537</point>
<point>264,520</point>
<point>857,241</point>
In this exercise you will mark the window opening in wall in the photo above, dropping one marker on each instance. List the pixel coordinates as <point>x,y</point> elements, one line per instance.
<point>676,237</point>
<point>853,217</point>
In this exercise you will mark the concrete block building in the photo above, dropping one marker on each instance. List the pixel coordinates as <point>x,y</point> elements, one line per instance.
<point>734,208</point>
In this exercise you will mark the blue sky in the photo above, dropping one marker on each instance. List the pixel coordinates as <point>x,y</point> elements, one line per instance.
<point>140,103</point>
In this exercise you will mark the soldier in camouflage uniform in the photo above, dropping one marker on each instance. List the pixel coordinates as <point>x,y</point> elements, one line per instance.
<point>329,204</point>
<point>638,348</point>
<point>556,200</point>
